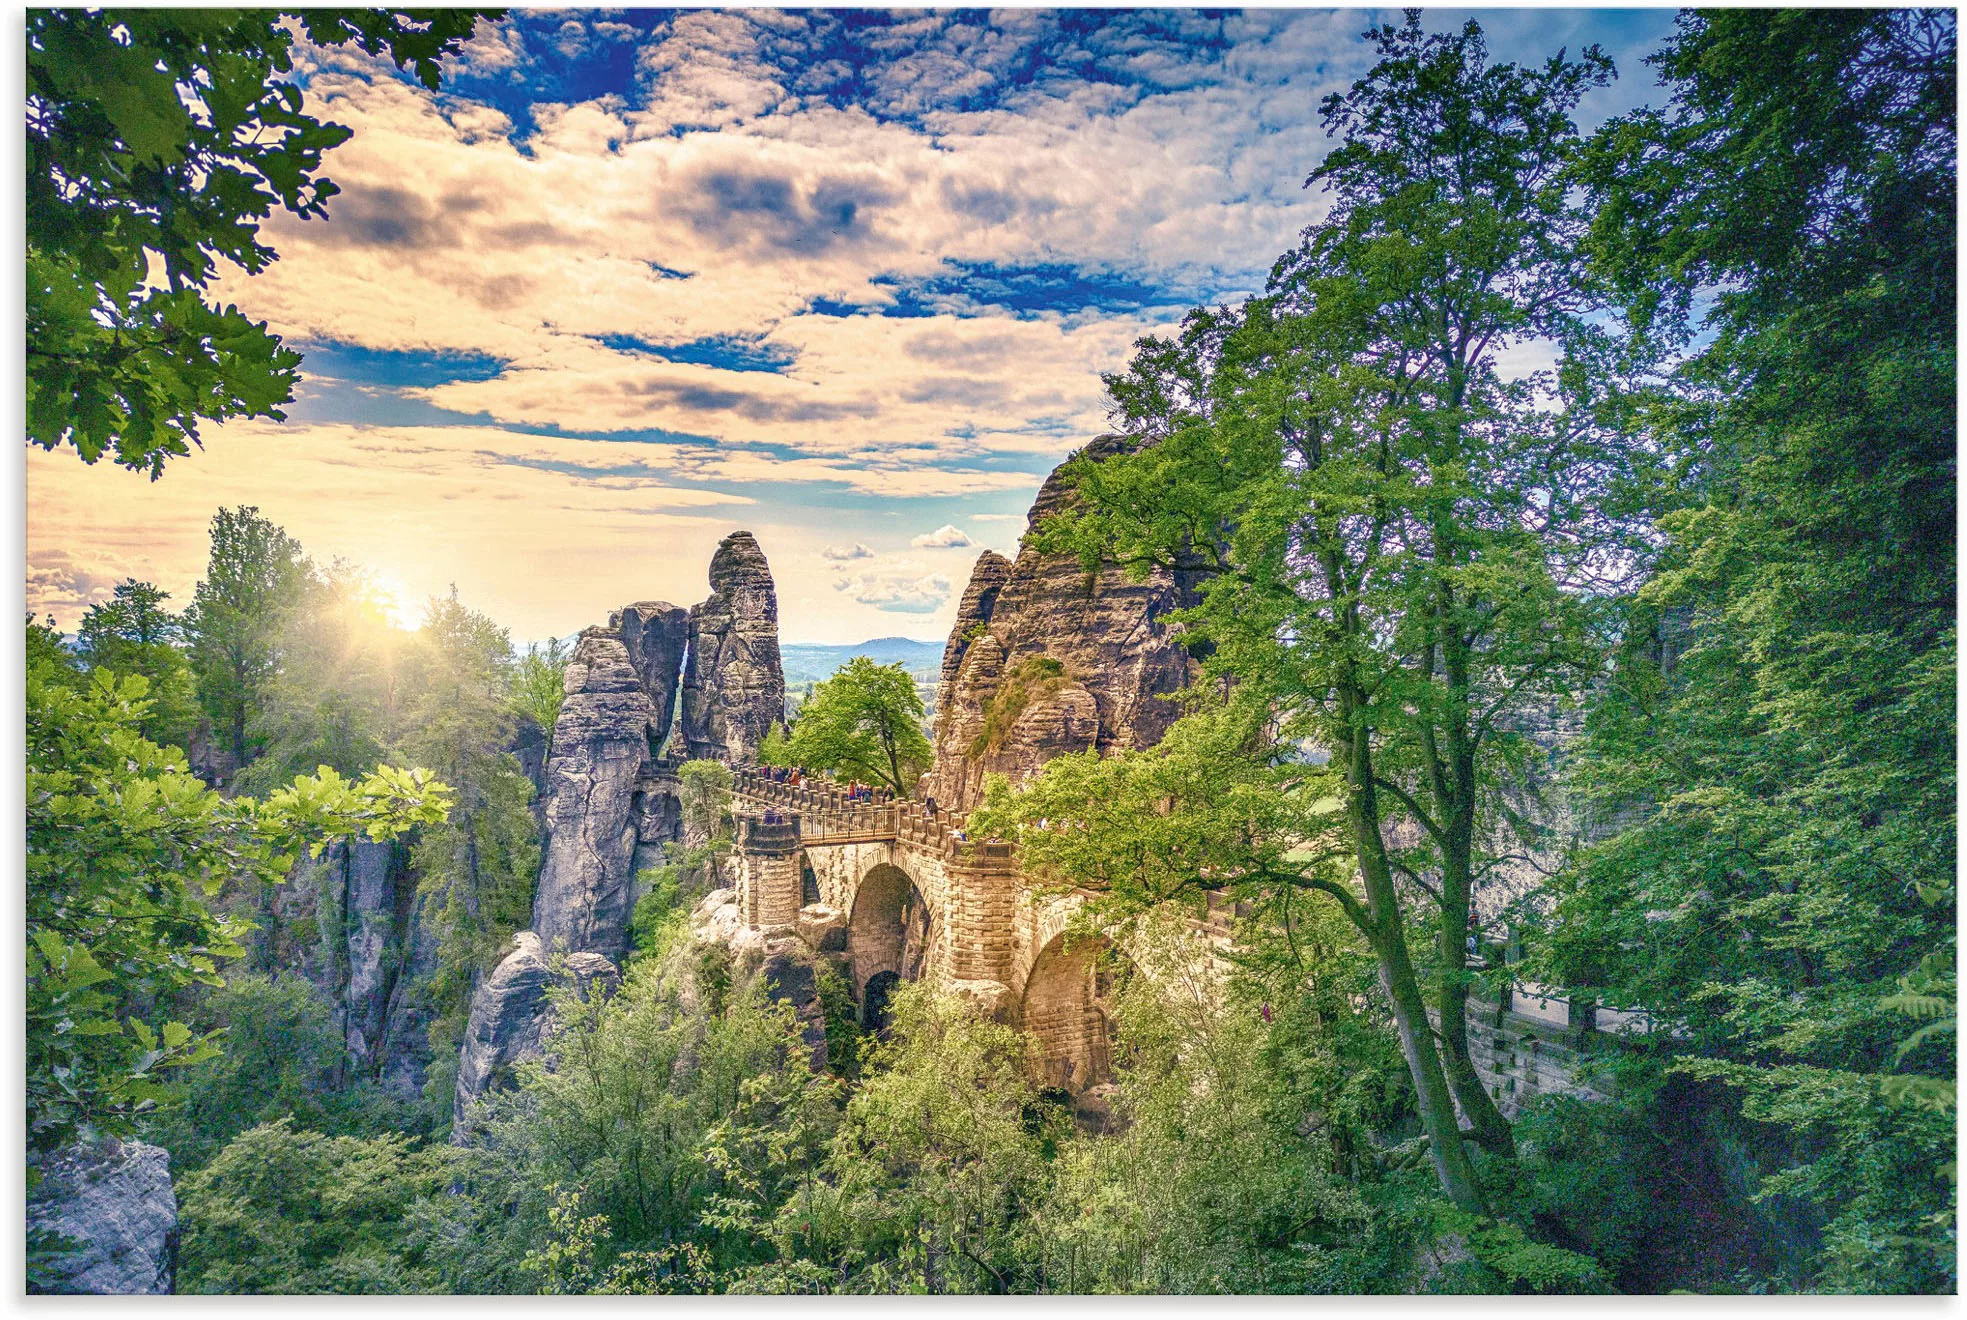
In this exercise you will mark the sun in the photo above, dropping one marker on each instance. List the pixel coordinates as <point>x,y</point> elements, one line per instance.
<point>399,604</point>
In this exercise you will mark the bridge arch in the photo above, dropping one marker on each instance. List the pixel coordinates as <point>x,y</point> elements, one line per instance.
<point>889,933</point>
<point>1067,1010</point>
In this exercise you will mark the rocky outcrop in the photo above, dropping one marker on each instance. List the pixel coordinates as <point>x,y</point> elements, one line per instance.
<point>733,680</point>
<point>601,750</point>
<point>114,1206</point>
<point>973,613</point>
<point>351,923</point>
<point>787,964</point>
<point>1055,660</point>
<point>657,635</point>
<point>528,747</point>
<point>510,1017</point>
<point>375,921</point>
<point>405,1052</point>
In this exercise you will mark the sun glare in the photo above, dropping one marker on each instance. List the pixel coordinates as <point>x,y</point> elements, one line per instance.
<point>400,605</point>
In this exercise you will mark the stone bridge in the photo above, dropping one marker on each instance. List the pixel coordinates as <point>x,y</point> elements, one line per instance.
<point>900,895</point>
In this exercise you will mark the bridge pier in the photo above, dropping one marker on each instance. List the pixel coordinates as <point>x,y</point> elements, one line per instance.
<point>982,912</point>
<point>770,887</point>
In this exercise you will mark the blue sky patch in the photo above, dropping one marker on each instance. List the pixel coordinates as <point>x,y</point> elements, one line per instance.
<point>726,352</point>
<point>393,368</point>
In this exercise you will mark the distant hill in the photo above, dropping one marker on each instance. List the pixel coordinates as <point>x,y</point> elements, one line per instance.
<point>808,662</point>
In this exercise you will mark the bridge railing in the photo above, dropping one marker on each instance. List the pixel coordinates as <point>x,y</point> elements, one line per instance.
<point>828,811</point>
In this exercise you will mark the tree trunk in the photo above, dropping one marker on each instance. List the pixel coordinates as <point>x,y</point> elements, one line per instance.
<point>1452,1166</point>
<point>1486,1122</point>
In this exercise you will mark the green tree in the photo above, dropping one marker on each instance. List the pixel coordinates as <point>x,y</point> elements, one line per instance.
<point>133,633</point>
<point>124,849</point>
<point>157,140</point>
<point>939,1165</point>
<point>1267,1201</point>
<point>338,685</point>
<point>539,684</point>
<point>255,574</point>
<point>477,867</point>
<point>864,723</point>
<point>672,1113</point>
<point>282,1210</point>
<point>280,1047</point>
<point>1398,540</point>
<point>1773,760</point>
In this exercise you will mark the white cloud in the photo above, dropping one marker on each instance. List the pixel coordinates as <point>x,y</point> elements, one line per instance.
<point>494,50</point>
<point>946,537</point>
<point>897,592</point>
<point>839,554</point>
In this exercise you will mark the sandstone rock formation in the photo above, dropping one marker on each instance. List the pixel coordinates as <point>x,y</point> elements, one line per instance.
<point>116,1201</point>
<point>600,753</point>
<point>351,922</point>
<point>987,580</point>
<point>1064,661</point>
<point>528,747</point>
<point>733,680</point>
<point>374,917</point>
<point>657,635</point>
<point>510,1017</point>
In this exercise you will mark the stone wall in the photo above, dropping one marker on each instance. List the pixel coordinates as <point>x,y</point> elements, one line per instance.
<point>1531,1045</point>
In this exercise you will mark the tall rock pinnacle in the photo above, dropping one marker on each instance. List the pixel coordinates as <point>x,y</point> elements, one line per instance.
<point>600,749</point>
<point>733,680</point>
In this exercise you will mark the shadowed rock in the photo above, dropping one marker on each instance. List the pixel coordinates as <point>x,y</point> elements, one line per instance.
<point>600,751</point>
<point>510,1017</point>
<point>116,1203</point>
<point>656,635</point>
<point>733,679</point>
<point>987,580</point>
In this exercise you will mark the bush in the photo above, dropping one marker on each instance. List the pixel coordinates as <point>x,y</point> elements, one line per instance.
<point>281,1210</point>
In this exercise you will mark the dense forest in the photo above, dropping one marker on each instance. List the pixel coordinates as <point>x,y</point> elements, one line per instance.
<point>1710,546</point>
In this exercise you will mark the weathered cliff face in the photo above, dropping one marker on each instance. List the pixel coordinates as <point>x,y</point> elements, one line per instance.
<point>528,747</point>
<point>117,1202</point>
<point>733,680</point>
<point>510,1015</point>
<point>656,635</point>
<point>987,581</point>
<point>601,749</point>
<point>377,894</point>
<point>788,964</point>
<point>351,923</point>
<point>1065,661</point>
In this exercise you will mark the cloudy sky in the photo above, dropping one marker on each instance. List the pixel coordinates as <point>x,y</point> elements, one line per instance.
<point>636,279</point>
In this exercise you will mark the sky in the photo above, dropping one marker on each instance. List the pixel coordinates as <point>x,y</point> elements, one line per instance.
<point>632,280</point>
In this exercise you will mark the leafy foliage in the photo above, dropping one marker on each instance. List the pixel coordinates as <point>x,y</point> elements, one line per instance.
<point>477,867</point>
<point>157,140</point>
<point>255,575</point>
<point>1774,759</point>
<point>124,849</point>
<point>539,683</point>
<point>133,633</point>
<point>287,1211</point>
<point>863,723</point>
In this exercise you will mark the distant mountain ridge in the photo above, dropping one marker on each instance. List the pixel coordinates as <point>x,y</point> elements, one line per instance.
<point>808,662</point>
